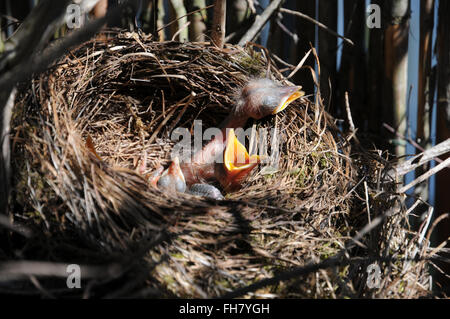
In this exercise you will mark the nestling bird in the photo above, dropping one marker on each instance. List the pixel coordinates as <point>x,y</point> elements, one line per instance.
<point>258,99</point>
<point>172,179</point>
<point>236,165</point>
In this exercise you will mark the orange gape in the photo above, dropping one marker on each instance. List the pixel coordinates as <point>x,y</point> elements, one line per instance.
<point>237,163</point>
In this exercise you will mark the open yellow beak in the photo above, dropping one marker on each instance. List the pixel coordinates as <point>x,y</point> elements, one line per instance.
<point>236,157</point>
<point>289,98</point>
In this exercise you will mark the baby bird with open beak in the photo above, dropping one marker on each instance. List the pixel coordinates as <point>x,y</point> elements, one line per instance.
<point>258,99</point>
<point>237,163</point>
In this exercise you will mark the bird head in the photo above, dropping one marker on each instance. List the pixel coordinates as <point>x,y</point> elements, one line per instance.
<point>263,97</point>
<point>154,177</point>
<point>237,163</point>
<point>172,179</point>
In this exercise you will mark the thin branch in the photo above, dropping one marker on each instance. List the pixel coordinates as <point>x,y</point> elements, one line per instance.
<point>350,120</point>
<point>349,113</point>
<point>313,267</point>
<point>33,33</point>
<point>41,61</point>
<point>187,14</point>
<point>320,25</point>
<point>291,34</point>
<point>5,151</point>
<point>423,158</point>
<point>409,140</point>
<point>426,175</point>
<point>182,29</point>
<point>259,23</point>
<point>20,229</point>
<point>299,65</point>
<point>419,241</point>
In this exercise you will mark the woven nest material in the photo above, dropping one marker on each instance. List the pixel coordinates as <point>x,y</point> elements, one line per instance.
<point>128,93</point>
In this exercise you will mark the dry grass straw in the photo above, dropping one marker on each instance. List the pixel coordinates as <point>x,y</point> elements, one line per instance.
<point>128,93</point>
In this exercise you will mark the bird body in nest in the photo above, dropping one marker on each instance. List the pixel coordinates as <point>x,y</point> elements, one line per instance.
<point>224,159</point>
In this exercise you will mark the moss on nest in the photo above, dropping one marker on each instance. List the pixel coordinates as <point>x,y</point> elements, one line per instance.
<point>128,93</point>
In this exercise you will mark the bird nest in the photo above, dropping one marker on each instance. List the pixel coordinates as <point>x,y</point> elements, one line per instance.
<point>123,94</point>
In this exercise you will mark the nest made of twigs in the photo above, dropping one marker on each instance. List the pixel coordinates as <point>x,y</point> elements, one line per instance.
<point>128,93</point>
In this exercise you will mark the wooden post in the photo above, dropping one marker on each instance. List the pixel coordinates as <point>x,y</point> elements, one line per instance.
<point>353,72</point>
<point>375,82</point>
<point>423,107</point>
<point>327,49</point>
<point>238,15</point>
<point>442,205</point>
<point>396,67</point>
<point>197,28</point>
<point>425,50</point>
<point>306,34</point>
<point>180,13</point>
<point>218,25</point>
<point>160,14</point>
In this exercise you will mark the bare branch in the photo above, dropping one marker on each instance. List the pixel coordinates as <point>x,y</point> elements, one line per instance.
<point>426,175</point>
<point>423,158</point>
<point>299,65</point>
<point>20,229</point>
<point>178,18</point>
<point>33,32</point>
<point>5,154</point>
<point>259,23</point>
<point>320,25</point>
<point>349,113</point>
